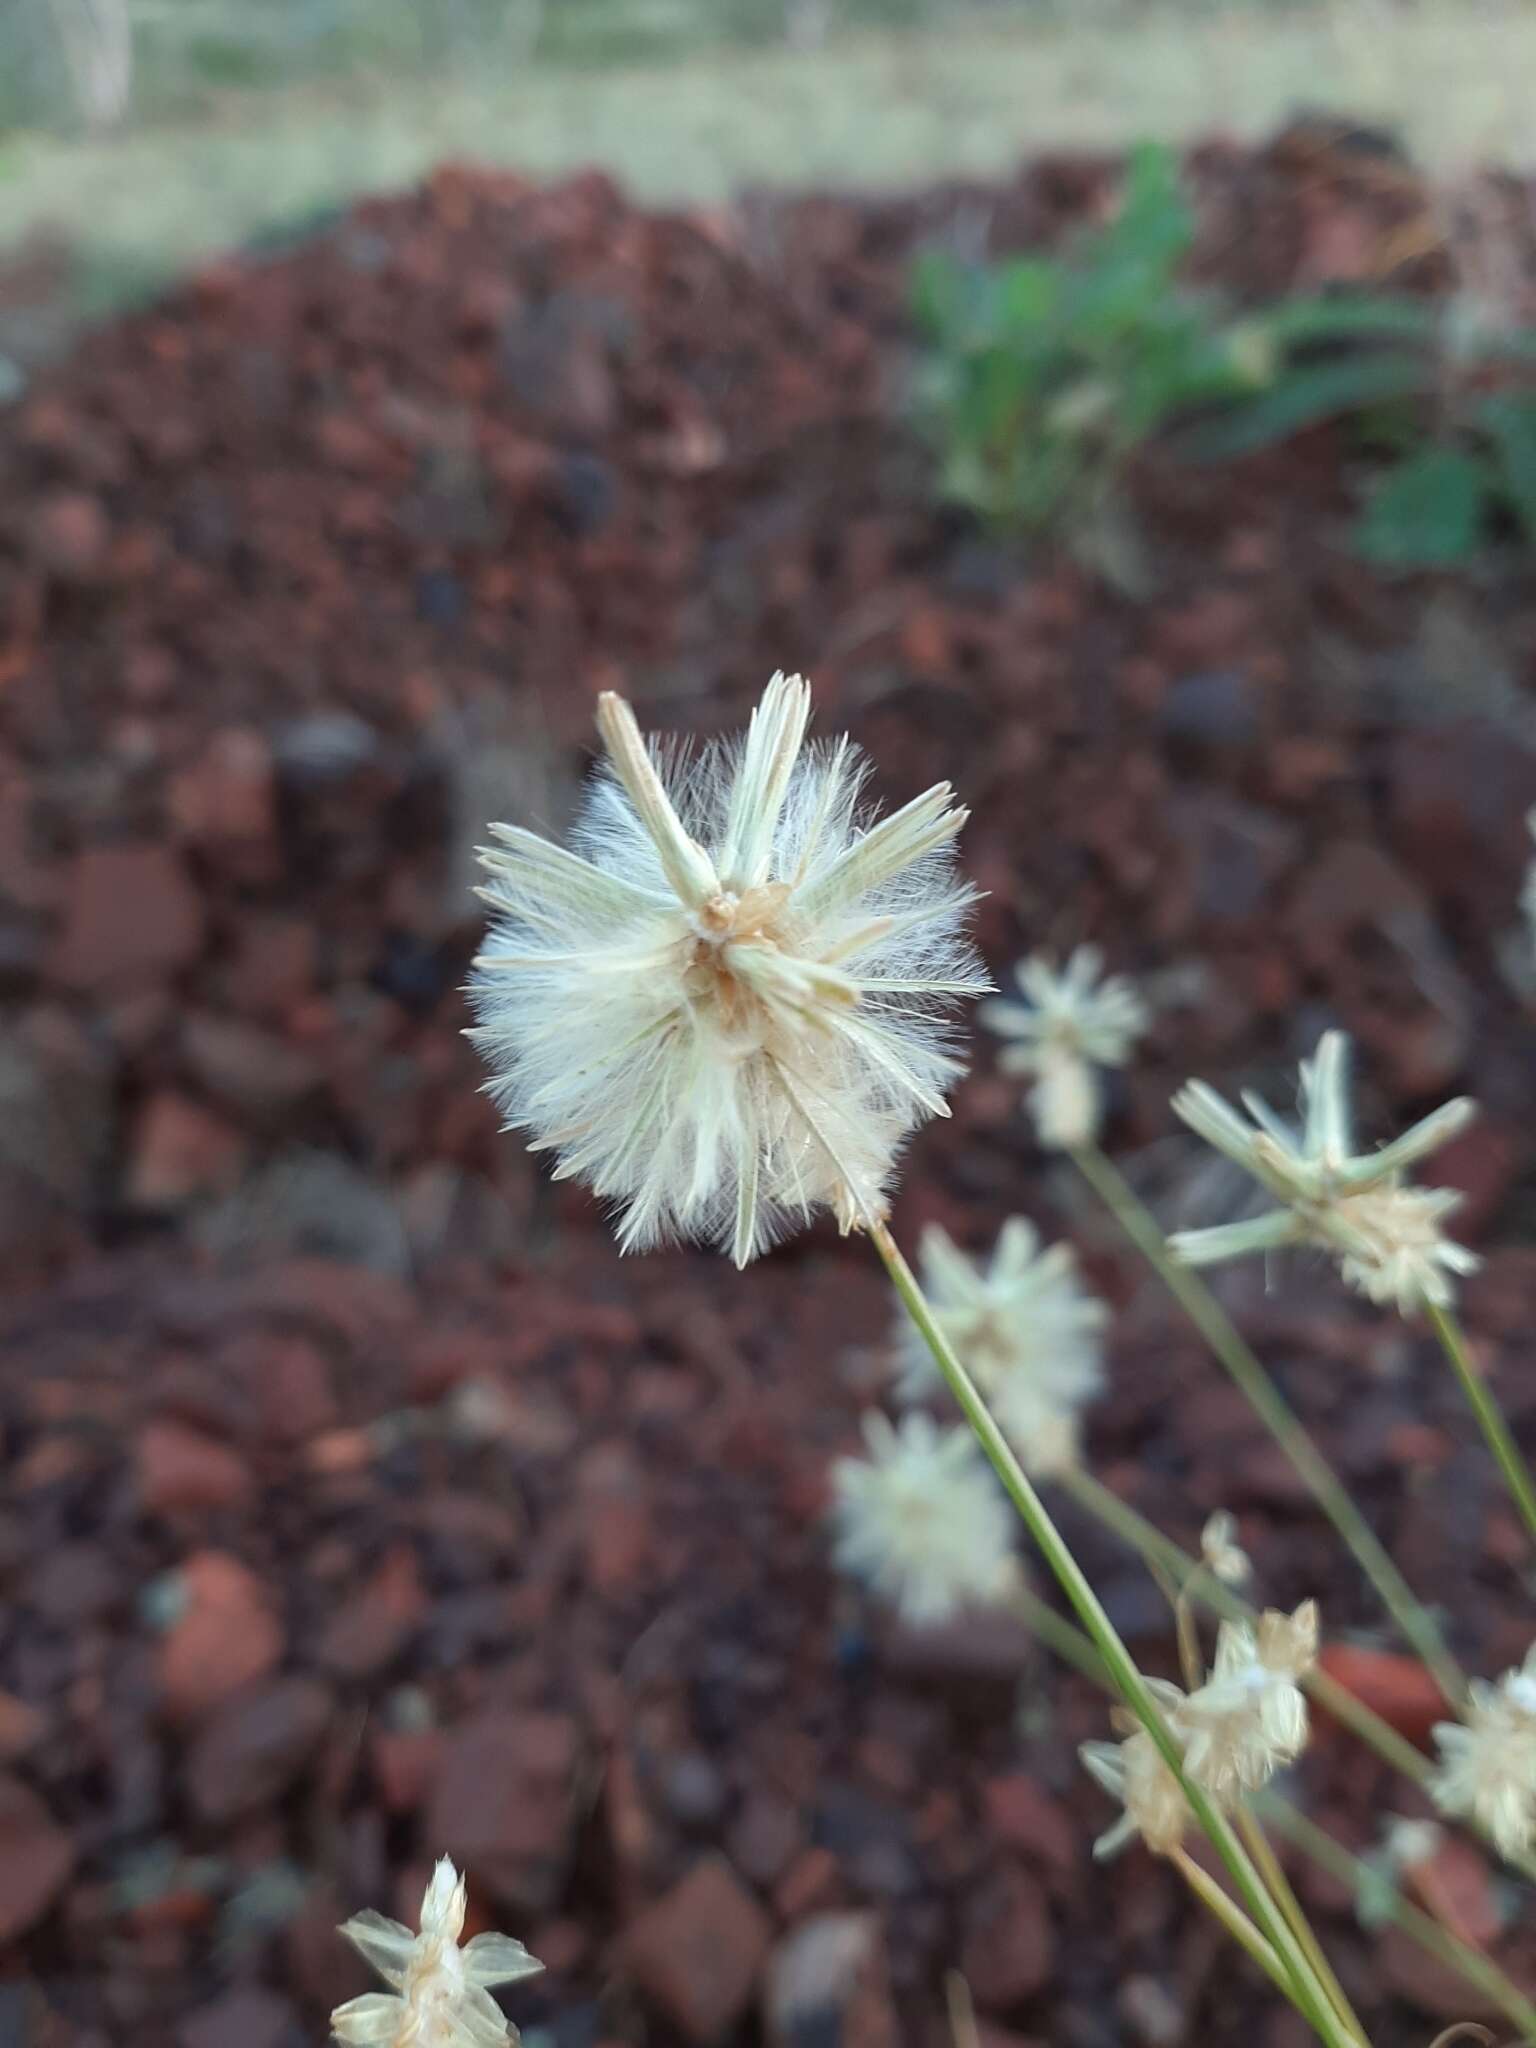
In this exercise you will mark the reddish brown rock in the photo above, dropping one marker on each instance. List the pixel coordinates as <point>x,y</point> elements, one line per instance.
<point>21,1726</point>
<point>182,1470</point>
<point>614,1517</point>
<point>253,1071</point>
<point>1007,1948</point>
<point>503,1805</point>
<point>131,913</point>
<point>71,536</point>
<point>181,1152</point>
<point>371,1627</point>
<point>226,1636</point>
<point>828,1986</point>
<point>36,1858</point>
<point>254,1747</point>
<point>1024,1817</point>
<point>697,1953</point>
<point>1398,1688</point>
<point>228,795</point>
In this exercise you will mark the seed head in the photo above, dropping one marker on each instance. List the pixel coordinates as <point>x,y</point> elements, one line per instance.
<point>1223,1556</point>
<point>1134,1772</point>
<point>1385,1234</point>
<point>726,1004</point>
<point>1070,1023</point>
<point>1026,1329</point>
<point>921,1520</point>
<point>441,1993</point>
<point>1249,1719</point>
<point>1488,1760</point>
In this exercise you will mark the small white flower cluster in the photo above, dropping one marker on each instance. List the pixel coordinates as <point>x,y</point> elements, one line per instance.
<point>726,1005</point>
<point>922,1521</point>
<point>1027,1331</point>
<point>441,1993</point>
<point>1070,1023</point>
<point>1247,1721</point>
<point>1487,1766</point>
<point>1385,1234</point>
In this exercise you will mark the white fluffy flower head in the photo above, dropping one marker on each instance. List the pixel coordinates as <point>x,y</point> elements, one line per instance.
<point>1487,1768</point>
<point>922,1521</point>
<point>441,1993</point>
<point>726,1003</point>
<point>1385,1234</point>
<point>1071,1022</point>
<point>1249,1719</point>
<point>1026,1329</point>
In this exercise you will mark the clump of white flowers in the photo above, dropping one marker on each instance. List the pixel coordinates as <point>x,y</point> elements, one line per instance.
<point>1487,1765</point>
<point>1071,1023</point>
<point>922,1521</point>
<point>1247,1721</point>
<point>1221,1553</point>
<point>1025,1328</point>
<point>1386,1235</point>
<point>441,1993</point>
<point>726,1003</point>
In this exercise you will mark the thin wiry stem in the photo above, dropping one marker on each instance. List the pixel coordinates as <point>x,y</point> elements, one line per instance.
<point>1304,1989</point>
<point>1074,1648</point>
<point>1490,1417</point>
<point>1269,1868</point>
<point>1244,1368</point>
<point>1231,1917</point>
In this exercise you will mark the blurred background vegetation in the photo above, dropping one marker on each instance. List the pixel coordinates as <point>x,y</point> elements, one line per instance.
<point>145,133</point>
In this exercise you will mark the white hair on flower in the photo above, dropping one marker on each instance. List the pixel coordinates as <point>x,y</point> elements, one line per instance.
<point>1385,1234</point>
<point>1072,1021</point>
<point>1487,1769</point>
<point>1027,1330</point>
<point>440,1994</point>
<point>922,1521</point>
<point>727,1003</point>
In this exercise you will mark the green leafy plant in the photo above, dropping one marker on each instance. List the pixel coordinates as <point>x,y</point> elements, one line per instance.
<point>1442,396</point>
<point>1044,373</point>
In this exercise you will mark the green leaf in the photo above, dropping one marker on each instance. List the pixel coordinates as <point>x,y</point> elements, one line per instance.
<point>1306,397</point>
<point>1509,421</point>
<point>1428,512</point>
<point>1349,316</point>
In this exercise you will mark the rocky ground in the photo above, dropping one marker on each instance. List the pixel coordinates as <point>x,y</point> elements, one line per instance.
<point>360,1503</point>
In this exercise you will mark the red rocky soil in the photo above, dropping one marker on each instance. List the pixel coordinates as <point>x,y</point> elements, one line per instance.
<point>360,1503</point>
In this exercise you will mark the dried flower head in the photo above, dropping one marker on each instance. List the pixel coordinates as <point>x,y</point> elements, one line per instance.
<point>1134,1772</point>
<point>1386,1235</point>
<point>1026,1329</point>
<point>1070,1022</point>
<point>441,1996</point>
<point>1221,1553</point>
<point>922,1521</point>
<point>1249,1719</point>
<point>1488,1761</point>
<point>725,1005</point>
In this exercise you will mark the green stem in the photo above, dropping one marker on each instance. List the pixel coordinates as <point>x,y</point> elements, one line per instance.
<point>1243,1366</point>
<point>1163,1554</point>
<point>1470,1963</point>
<point>1307,1994</point>
<point>1231,1917</point>
<point>1270,1870</point>
<point>1490,1417</point>
<point>1074,1648</point>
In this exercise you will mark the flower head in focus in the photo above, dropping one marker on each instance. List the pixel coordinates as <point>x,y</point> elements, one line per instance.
<point>1027,1330</point>
<point>1221,1553</point>
<point>441,1993</point>
<point>1070,1023</point>
<point>725,1004</point>
<point>1385,1234</point>
<point>1249,1719</point>
<point>922,1521</point>
<point>1487,1769</point>
<point>1134,1772</point>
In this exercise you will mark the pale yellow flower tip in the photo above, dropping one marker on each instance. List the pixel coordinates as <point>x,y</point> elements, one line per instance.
<point>440,1994</point>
